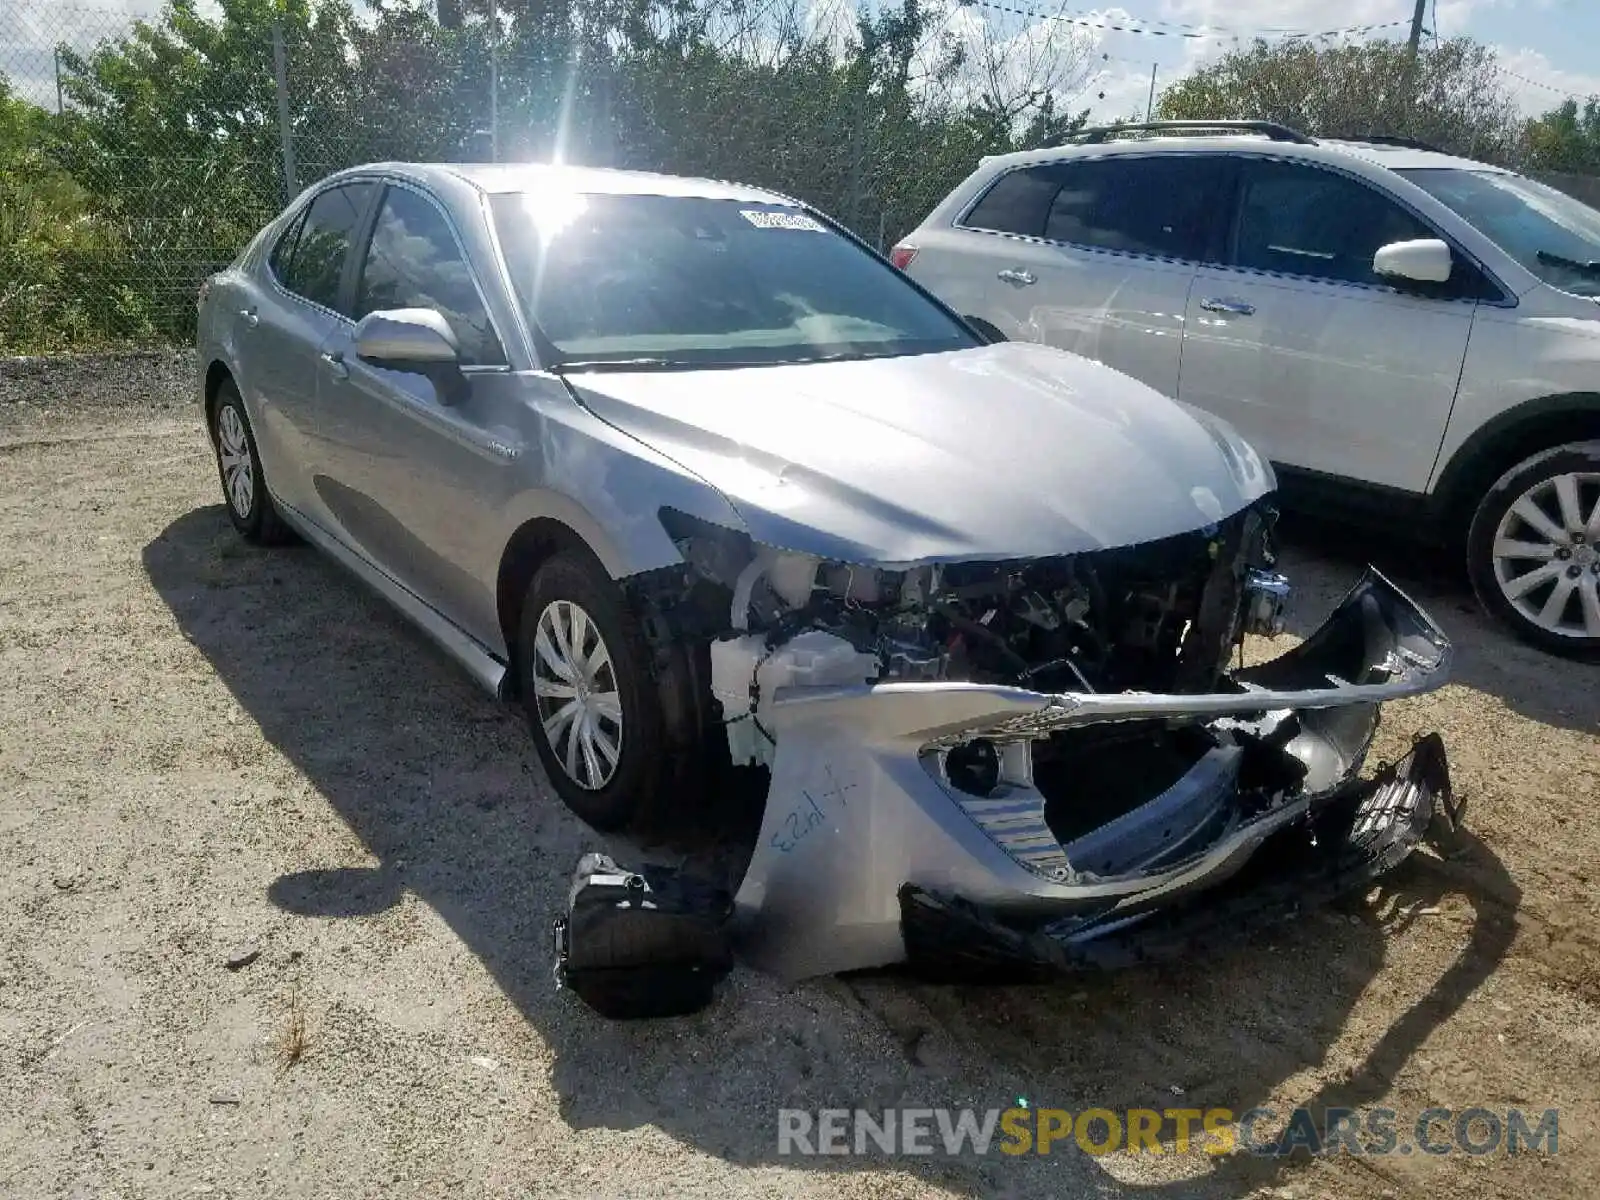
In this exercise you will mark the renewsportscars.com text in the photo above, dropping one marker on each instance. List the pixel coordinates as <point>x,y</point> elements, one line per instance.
<point>1262,1131</point>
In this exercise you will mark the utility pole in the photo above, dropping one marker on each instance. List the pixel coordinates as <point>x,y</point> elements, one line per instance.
<point>1416,27</point>
<point>56,53</point>
<point>1409,97</point>
<point>1150,104</point>
<point>280,71</point>
<point>494,84</point>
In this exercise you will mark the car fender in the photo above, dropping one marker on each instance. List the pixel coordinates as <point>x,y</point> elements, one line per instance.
<point>1505,440</point>
<point>608,488</point>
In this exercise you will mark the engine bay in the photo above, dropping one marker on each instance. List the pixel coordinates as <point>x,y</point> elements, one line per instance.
<point>1164,616</point>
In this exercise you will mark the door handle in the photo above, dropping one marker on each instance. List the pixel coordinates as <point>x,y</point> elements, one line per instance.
<point>1017,278</point>
<point>1219,304</point>
<point>334,361</point>
<point>248,316</point>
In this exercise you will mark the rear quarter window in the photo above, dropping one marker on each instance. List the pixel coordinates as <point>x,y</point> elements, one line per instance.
<point>1017,202</point>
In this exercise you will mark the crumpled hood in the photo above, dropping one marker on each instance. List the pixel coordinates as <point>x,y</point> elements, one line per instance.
<point>1006,451</point>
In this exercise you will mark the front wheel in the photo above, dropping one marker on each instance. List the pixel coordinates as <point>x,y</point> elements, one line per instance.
<point>1534,550</point>
<point>595,718</point>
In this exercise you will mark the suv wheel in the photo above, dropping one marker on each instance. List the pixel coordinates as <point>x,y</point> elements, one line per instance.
<point>1534,549</point>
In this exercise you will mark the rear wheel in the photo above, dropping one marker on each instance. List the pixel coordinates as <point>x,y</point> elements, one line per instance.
<point>1534,550</point>
<point>244,486</point>
<point>595,718</point>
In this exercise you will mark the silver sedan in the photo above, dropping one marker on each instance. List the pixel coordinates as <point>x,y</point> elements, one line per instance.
<point>706,486</point>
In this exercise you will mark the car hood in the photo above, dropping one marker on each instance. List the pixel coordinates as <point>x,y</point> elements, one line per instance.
<point>1005,451</point>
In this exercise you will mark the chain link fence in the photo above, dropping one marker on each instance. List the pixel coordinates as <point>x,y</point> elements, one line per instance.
<point>137,155</point>
<point>140,147</point>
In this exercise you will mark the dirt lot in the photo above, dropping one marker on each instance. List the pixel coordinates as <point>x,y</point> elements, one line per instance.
<point>205,748</point>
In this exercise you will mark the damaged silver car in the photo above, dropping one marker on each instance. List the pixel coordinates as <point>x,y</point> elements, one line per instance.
<point>708,487</point>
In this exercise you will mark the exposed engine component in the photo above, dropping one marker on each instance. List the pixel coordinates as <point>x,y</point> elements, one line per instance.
<point>744,670</point>
<point>1266,599</point>
<point>1129,618</point>
<point>1163,616</point>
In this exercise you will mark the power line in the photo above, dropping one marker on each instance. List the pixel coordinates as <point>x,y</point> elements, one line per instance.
<point>1548,87</point>
<point>1175,29</point>
<point>1197,32</point>
<point>1210,29</point>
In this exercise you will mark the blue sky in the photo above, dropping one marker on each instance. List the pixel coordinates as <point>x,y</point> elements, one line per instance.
<point>1548,48</point>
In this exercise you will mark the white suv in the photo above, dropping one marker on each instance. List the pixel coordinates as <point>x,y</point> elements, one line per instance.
<point>1409,336</point>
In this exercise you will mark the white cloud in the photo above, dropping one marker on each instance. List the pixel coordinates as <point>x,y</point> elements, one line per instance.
<point>1537,85</point>
<point>1252,16</point>
<point>30,31</point>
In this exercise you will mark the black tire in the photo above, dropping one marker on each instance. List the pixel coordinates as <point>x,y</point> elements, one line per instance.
<point>253,513</point>
<point>1575,560</point>
<point>638,775</point>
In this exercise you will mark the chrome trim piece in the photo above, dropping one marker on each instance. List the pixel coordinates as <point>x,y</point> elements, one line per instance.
<point>487,671</point>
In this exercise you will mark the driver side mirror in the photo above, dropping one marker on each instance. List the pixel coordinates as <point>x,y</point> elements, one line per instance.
<point>415,340</point>
<point>1424,260</point>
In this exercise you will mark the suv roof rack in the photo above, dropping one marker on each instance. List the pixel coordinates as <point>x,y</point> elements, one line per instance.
<point>1389,139</point>
<point>1268,129</point>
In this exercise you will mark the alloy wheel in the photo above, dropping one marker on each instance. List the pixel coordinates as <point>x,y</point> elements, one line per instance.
<point>238,467</point>
<point>1546,554</point>
<point>575,686</point>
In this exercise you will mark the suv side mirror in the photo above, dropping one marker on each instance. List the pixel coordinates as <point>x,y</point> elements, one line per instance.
<point>416,340</point>
<point>1425,260</point>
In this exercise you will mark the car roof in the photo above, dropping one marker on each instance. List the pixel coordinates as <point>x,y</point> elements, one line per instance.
<point>1322,150</point>
<point>525,177</point>
<point>1406,157</point>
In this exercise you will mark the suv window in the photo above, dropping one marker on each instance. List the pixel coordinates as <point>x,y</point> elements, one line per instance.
<point>314,269</point>
<point>1017,203</point>
<point>413,262</point>
<point>1159,205</point>
<point>1302,220</point>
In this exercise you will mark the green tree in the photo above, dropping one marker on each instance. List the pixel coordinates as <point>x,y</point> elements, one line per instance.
<point>51,244</point>
<point>170,153</point>
<point>1452,97</point>
<point>1566,138</point>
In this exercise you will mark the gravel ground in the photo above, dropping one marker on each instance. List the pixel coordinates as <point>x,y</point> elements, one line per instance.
<point>209,751</point>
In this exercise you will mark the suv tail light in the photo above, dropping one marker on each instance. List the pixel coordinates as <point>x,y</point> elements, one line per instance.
<point>902,255</point>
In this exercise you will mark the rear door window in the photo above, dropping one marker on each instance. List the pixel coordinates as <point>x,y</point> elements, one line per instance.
<point>283,250</point>
<point>1302,220</point>
<point>323,246</point>
<point>1158,205</point>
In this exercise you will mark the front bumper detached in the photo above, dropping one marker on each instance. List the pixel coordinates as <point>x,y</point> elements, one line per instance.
<point>1346,845</point>
<point>873,850</point>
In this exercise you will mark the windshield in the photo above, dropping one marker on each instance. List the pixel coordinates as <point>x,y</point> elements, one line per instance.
<point>1550,233</point>
<point>679,281</point>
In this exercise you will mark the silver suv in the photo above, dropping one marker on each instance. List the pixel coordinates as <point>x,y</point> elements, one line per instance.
<point>1410,337</point>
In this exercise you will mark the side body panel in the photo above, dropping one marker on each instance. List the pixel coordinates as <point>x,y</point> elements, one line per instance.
<point>1332,377</point>
<point>1119,309</point>
<point>1549,345</point>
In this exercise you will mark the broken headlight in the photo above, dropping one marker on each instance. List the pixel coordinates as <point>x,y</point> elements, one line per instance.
<point>769,581</point>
